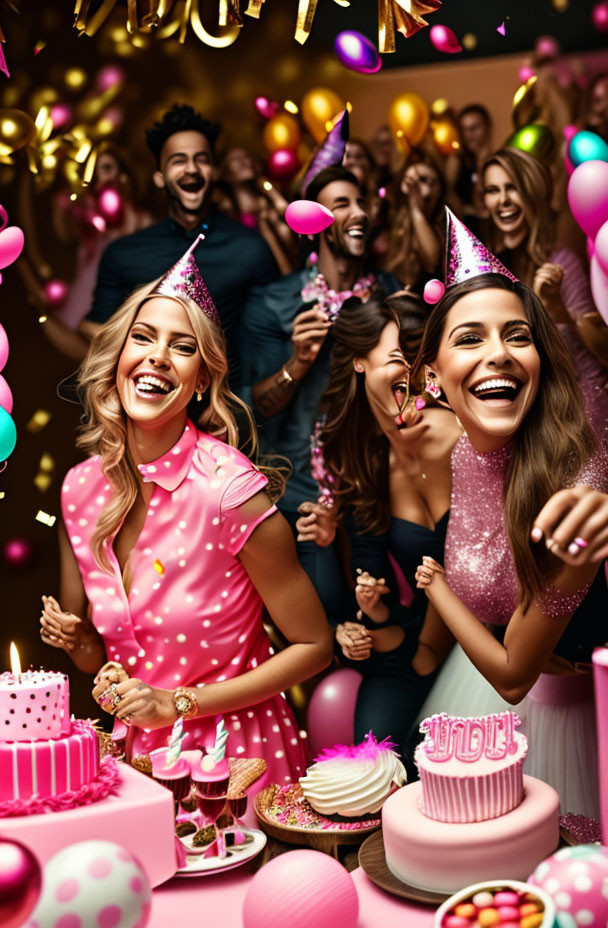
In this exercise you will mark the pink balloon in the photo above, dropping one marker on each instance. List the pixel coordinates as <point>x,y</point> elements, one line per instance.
<point>588,195</point>
<point>55,291</point>
<point>20,882</point>
<point>547,46</point>
<point>331,710</point>
<point>110,203</point>
<point>6,397</point>
<point>444,40</point>
<point>60,114</point>
<point>525,73</point>
<point>601,247</point>
<point>599,288</point>
<point>568,164</point>
<point>267,108</point>
<point>282,164</point>
<point>590,248</point>
<point>11,245</point>
<point>433,291</point>
<point>599,17</point>
<point>109,75</point>
<point>570,132</point>
<point>307,217</point>
<point>3,347</point>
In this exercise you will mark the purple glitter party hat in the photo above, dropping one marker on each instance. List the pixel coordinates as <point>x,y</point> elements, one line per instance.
<point>330,152</point>
<point>184,279</point>
<point>466,257</point>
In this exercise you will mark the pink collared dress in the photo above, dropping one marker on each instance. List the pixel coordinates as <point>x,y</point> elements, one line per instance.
<point>192,615</point>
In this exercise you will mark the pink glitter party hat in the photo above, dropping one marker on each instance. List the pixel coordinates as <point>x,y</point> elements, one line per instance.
<point>466,257</point>
<point>330,152</point>
<point>184,279</point>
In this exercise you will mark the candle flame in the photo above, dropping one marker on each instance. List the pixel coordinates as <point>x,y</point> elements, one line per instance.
<point>15,662</point>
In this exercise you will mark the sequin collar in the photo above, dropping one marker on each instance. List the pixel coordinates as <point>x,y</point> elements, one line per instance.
<point>330,301</point>
<point>170,470</point>
<point>496,460</point>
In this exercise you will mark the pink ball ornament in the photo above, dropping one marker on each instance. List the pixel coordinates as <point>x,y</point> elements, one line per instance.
<point>3,347</point>
<point>300,889</point>
<point>588,195</point>
<point>444,40</point>
<point>331,710</point>
<point>433,291</point>
<point>547,46</point>
<point>55,292</point>
<point>306,217</point>
<point>60,115</point>
<point>525,72</point>
<point>266,108</point>
<point>17,553</point>
<point>357,53</point>
<point>20,882</point>
<point>599,17</point>
<point>576,878</point>
<point>11,245</point>
<point>94,884</point>
<point>6,397</point>
<point>282,164</point>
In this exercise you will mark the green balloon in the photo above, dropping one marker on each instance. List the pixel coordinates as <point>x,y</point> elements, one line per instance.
<point>536,140</point>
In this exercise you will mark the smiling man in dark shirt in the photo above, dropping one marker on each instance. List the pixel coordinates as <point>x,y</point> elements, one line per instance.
<point>232,258</point>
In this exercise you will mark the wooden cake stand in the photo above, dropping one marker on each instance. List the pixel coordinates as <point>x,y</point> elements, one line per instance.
<point>284,814</point>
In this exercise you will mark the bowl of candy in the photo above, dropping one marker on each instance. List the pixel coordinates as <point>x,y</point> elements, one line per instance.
<point>500,903</point>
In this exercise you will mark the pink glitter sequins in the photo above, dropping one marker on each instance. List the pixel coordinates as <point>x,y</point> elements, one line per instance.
<point>184,279</point>
<point>466,256</point>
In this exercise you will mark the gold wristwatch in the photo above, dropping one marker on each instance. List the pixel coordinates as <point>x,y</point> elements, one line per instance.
<point>185,703</point>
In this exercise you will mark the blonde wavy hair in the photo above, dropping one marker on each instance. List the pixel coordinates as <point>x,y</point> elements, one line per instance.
<point>105,430</point>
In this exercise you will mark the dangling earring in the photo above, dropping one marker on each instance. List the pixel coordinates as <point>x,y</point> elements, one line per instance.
<point>199,395</point>
<point>430,383</point>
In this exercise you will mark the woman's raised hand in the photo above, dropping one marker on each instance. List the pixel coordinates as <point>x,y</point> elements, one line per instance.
<point>427,572</point>
<point>133,701</point>
<point>316,523</point>
<point>61,629</point>
<point>574,524</point>
<point>369,592</point>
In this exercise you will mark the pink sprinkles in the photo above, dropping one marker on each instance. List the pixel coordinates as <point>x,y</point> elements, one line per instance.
<point>291,809</point>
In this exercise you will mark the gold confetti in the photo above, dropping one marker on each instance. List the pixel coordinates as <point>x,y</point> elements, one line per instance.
<point>43,481</point>
<point>45,518</point>
<point>291,107</point>
<point>46,462</point>
<point>561,5</point>
<point>2,494</point>
<point>38,421</point>
<point>159,567</point>
<point>469,41</point>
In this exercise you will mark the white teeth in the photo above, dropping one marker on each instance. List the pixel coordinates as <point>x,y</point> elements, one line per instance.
<point>147,382</point>
<point>496,384</point>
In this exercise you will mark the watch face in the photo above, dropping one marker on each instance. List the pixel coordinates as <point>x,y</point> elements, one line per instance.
<point>182,705</point>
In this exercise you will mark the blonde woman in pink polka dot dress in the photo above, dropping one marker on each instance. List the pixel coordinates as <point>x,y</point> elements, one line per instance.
<point>172,546</point>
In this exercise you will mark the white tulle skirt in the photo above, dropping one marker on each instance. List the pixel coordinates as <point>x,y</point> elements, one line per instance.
<point>558,718</point>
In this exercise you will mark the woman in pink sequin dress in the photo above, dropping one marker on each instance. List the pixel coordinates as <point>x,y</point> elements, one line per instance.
<point>172,547</point>
<point>524,617</point>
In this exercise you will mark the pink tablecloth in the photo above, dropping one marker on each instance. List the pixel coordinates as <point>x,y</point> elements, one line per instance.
<point>218,900</point>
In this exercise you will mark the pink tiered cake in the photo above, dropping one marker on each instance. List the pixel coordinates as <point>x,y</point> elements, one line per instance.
<point>473,816</point>
<point>45,756</point>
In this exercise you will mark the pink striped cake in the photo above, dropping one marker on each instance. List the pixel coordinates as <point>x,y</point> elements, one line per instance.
<point>471,770</point>
<point>43,754</point>
<point>473,816</point>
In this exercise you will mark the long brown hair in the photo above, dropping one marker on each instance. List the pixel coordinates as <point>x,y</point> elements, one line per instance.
<point>104,430</point>
<point>535,186</point>
<point>554,441</point>
<point>355,450</point>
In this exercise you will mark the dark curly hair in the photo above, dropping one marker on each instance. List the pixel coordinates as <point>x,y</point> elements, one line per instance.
<point>328,176</point>
<point>180,118</point>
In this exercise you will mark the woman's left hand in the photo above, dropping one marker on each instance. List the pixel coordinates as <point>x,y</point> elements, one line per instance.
<point>427,573</point>
<point>137,703</point>
<point>547,285</point>
<point>574,523</point>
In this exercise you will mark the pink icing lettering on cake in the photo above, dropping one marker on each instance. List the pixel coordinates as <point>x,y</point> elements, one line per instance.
<point>471,769</point>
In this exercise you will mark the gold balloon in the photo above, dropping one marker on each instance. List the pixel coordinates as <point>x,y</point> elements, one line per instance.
<point>526,108</point>
<point>408,118</point>
<point>282,131</point>
<point>319,106</point>
<point>16,130</point>
<point>445,135</point>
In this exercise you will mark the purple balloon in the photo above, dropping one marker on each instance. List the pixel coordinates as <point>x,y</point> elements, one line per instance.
<point>331,710</point>
<point>20,882</point>
<point>357,53</point>
<point>282,164</point>
<point>599,288</point>
<point>588,196</point>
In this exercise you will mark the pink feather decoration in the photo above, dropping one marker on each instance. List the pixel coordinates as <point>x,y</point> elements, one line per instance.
<point>367,750</point>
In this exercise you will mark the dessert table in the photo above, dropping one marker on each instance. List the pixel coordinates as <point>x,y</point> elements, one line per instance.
<point>183,901</point>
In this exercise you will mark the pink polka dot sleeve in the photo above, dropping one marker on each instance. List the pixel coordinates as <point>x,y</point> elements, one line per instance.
<point>236,526</point>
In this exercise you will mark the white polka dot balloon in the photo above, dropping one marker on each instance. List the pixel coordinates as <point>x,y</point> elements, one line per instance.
<point>577,880</point>
<point>93,884</point>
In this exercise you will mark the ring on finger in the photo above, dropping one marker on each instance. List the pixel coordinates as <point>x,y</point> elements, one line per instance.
<point>579,544</point>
